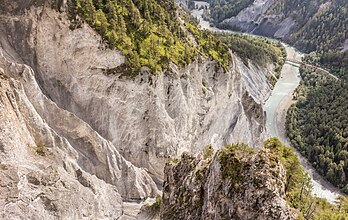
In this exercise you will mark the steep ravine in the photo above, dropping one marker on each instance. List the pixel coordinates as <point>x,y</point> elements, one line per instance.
<point>100,133</point>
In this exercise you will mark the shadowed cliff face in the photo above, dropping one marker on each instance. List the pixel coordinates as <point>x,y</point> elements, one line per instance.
<point>95,128</point>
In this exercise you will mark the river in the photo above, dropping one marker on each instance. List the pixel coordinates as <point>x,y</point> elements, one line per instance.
<point>276,107</point>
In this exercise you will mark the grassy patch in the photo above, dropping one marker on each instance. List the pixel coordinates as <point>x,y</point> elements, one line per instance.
<point>40,149</point>
<point>3,75</point>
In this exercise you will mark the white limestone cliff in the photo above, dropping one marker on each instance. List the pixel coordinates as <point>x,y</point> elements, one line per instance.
<point>104,133</point>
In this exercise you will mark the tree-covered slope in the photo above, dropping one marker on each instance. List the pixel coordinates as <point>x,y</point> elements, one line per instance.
<point>318,123</point>
<point>156,33</point>
<point>258,49</point>
<point>324,31</point>
<point>149,32</point>
<point>301,10</point>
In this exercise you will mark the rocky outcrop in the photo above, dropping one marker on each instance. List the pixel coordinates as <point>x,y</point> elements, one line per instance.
<point>234,184</point>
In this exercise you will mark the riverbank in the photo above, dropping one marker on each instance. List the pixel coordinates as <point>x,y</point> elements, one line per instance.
<point>276,109</point>
<point>321,187</point>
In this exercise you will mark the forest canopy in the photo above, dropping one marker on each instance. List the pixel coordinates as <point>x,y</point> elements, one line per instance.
<point>148,32</point>
<point>318,124</point>
<point>320,25</point>
<point>326,31</point>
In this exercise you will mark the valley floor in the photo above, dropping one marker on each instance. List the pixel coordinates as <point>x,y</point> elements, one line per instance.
<point>321,187</point>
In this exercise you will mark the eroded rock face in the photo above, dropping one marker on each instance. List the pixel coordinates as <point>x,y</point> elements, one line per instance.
<point>78,138</point>
<point>149,117</point>
<point>237,185</point>
<point>42,187</point>
<point>54,164</point>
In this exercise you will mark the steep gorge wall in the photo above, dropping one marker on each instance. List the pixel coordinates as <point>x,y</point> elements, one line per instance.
<point>149,117</point>
<point>54,164</point>
<point>94,126</point>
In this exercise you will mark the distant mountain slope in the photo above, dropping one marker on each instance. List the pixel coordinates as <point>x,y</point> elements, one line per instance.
<point>307,24</point>
<point>326,30</point>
